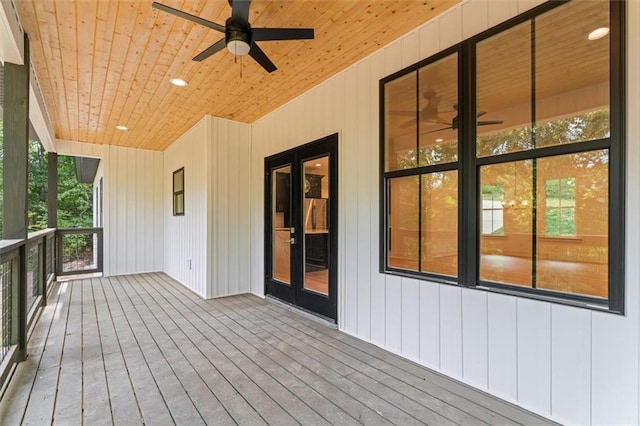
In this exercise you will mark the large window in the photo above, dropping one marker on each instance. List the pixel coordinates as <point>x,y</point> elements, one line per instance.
<point>421,168</point>
<point>521,126</point>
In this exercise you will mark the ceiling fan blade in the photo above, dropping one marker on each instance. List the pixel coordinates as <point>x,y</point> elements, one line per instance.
<point>188,16</point>
<point>240,10</point>
<point>438,130</point>
<point>260,57</point>
<point>488,122</point>
<point>404,113</point>
<point>214,48</point>
<point>267,34</point>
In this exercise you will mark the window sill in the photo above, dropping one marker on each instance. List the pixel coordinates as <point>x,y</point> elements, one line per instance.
<point>559,238</point>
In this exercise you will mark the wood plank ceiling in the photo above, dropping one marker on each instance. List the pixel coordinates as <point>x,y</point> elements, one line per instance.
<point>102,63</point>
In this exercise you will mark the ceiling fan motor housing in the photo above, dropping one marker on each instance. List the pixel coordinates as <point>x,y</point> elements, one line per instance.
<point>238,37</point>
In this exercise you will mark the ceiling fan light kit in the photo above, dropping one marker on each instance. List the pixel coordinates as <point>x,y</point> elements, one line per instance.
<point>239,37</point>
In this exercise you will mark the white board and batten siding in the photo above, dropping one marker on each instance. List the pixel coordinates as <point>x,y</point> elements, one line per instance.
<point>207,248</point>
<point>132,195</point>
<point>572,365</point>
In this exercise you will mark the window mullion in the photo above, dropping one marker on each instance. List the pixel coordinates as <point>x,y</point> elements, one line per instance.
<point>467,182</point>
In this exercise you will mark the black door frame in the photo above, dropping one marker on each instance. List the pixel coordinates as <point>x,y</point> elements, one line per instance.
<point>295,294</point>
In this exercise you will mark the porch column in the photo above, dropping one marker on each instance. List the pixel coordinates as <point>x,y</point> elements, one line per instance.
<point>15,178</point>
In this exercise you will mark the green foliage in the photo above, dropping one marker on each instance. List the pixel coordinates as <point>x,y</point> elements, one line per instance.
<point>560,197</point>
<point>75,200</point>
<point>577,128</point>
<point>37,191</point>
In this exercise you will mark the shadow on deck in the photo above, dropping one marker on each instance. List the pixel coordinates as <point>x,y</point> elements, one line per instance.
<point>143,349</point>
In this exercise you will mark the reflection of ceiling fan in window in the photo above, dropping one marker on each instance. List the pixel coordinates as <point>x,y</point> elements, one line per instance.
<point>454,121</point>
<point>430,115</point>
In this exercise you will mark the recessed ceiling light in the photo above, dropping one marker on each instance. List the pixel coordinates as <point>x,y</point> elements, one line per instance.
<point>318,165</point>
<point>178,82</point>
<point>598,33</point>
<point>439,140</point>
<point>121,127</point>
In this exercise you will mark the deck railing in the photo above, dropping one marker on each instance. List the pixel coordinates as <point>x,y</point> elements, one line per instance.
<point>24,279</point>
<point>79,250</point>
<point>27,270</point>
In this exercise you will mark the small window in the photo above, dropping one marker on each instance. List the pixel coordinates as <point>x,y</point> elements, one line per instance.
<point>178,192</point>
<point>560,215</point>
<point>493,209</point>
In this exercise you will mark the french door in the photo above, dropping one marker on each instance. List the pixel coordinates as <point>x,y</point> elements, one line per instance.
<point>301,214</point>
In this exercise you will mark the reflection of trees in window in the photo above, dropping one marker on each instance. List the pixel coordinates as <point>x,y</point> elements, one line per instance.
<point>560,206</point>
<point>582,127</point>
<point>493,209</point>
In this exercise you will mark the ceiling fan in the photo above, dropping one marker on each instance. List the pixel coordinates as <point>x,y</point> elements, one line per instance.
<point>239,37</point>
<point>429,114</point>
<point>454,121</point>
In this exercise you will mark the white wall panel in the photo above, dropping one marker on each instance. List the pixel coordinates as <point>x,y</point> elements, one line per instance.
<point>228,219</point>
<point>614,382</point>
<point>186,236</point>
<point>410,319</point>
<point>450,28</point>
<point>524,5</point>
<point>451,331</point>
<point>499,11</point>
<point>364,189</point>
<point>393,314</point>
<point>429,39</point>
<point>534,355</point>
<point>348,200</point>
<point>474,337</point>
<point>410,51</point>
<point>502,343</point>
<point>376,280</point>
<point>430,324</point>
<point>475,18</point>
<point>571,364</point>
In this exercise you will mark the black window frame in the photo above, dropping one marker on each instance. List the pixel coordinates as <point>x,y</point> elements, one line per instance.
<point>468,166</point>
<point>176,193</point>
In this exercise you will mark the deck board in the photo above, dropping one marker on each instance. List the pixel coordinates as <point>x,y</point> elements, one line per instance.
<point>142,349</point>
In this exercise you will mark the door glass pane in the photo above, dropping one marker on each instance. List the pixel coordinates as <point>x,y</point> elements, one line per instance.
<point>281,214</point>
<point>316,224</point>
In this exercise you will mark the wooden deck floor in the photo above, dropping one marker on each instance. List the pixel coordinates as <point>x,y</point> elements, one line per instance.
<point>142,349</point>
